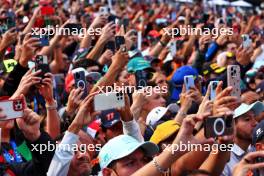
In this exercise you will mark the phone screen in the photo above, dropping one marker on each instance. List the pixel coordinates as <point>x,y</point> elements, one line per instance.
<point>119,40</point>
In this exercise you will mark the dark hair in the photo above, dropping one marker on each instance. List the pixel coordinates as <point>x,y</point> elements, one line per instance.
<point>85,63</point>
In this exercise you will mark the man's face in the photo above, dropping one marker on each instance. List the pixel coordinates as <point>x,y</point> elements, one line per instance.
<point>244,126</point>
<point>114,131</point>
<point>154,100</point>
<point>129,164</point>
<point>80,163</point>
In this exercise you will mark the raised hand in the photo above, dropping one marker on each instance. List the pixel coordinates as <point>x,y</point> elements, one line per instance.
<point>29,124</point>
<point>29,79</point>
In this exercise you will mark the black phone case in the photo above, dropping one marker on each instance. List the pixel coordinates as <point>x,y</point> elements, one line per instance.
<point>41,66</point>
<point>141,79</point>
<point>80,81</point>
<point>119,40</point>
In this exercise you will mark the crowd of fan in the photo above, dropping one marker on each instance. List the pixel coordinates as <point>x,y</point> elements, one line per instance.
<point>143,137</point>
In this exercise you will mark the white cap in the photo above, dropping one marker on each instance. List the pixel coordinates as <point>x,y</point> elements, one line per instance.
<point>157,113</point>
<point>256,107</point>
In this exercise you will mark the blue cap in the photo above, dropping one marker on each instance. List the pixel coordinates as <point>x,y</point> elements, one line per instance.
<point>258,133</point>
<point>122,146</point>
<point>109,118</point>
<point>178,79</point>
<point>137,63</point>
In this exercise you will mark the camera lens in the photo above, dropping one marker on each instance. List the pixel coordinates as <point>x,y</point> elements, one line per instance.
<point>219,126</point>
<point>214,85</point>
<point>81,84</point>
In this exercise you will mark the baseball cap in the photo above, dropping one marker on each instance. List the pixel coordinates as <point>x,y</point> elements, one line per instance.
<point>164,131</point>
<point>260,87</point>
<point>137,63</point>
<point>109,118</point>
<point>178,79</point>
<point>258,132</point>
<point>122,146</point>
<point>256,107</point>
<point>157,113</point>
<point>93,128</point>
<point>213,68</point>
<point>154,34</point>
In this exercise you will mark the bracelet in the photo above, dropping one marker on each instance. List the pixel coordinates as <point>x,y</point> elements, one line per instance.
<point>182,113</point>
<point>158,167</point>
<point>52,107</point>
<point>162,44</point>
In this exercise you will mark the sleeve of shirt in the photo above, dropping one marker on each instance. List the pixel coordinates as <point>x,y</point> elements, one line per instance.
<point>64,153</point>
<point>212,50</point>
<point>131,128</point>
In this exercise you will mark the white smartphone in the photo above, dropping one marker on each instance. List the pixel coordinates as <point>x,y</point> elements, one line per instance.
<point>139,40</point>
<point>246,41</point>
<point>109,100</point>
<point>12,109</point>
<point>233,79</point>
<point>173,48</point>
<point>189,82</point>
<point>213,85</point>
<point>103,10</point>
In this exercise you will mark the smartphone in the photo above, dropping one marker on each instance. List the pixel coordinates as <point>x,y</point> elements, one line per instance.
<point>44,39</point>
<point>110,100</point>
<point>112,19</point>
<point>11,23</point>
<point>173,47</point>
<point>189,82</point>
<point>213,86</point>
<point>233,79</point>
<point>111,46</point>
<point>104,10</point>
<point>47,10</point>
<point>246,41</point>
<point>12,108</point>
<point>141,79</point>
<point>73,27</point>
<point>119,40</point>
<point>218,126</point>
<point>41,63</point>
<point>80,82</point>
<point>125,22</point>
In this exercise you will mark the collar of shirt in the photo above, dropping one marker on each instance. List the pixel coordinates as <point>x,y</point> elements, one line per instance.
<point>239,151</point>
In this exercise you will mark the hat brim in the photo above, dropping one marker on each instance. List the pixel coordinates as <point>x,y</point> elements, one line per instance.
<point>149,148</point>
<point>256,107</point>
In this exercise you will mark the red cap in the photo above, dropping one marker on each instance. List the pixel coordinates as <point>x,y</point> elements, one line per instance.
<point>69,81</point>
<point>154,33</point>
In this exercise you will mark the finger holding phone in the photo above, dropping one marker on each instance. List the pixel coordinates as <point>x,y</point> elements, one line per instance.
<point>46,88</point>
<point>74,101</point>
<point>29,79</point>
<point>28,49</point>
<point>29,124</point>
<point>248,163</point>
<point>85,114</point>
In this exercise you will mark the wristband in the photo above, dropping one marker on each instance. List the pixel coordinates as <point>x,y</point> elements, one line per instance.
<point>52,107</point>
<point>158,167</point>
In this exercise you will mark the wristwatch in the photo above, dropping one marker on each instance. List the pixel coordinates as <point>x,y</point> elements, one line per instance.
<point>52,107</point>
